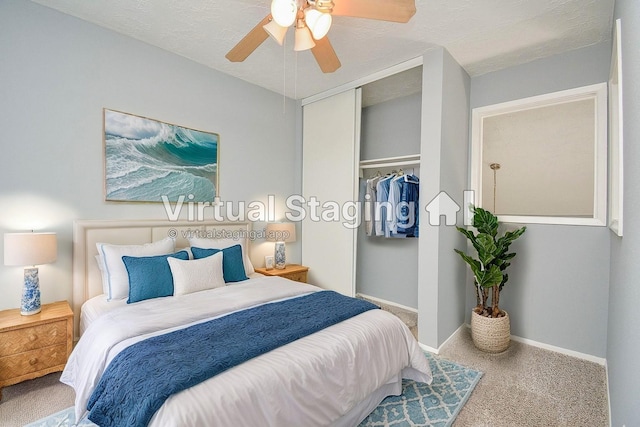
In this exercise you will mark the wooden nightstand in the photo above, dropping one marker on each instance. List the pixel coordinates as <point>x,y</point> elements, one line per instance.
<point>33,346</point>
<point>294,272</point>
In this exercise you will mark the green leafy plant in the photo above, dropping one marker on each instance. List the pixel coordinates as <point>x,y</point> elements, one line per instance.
<point>493,259</point>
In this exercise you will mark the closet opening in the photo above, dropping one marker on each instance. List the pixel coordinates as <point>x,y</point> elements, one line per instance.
<point>387,252</point>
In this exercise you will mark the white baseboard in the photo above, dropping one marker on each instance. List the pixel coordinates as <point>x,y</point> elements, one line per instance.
<point>391,303</point>
<point>429,349</point>
<point>437,350</point>
<point>584,356</point>
<point>606,377</point>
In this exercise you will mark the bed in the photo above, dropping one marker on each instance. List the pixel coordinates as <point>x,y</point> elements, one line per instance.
<point>335,375</point>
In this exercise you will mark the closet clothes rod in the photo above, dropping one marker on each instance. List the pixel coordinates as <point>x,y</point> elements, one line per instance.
<point>389,162</point>
<point>413,159</point>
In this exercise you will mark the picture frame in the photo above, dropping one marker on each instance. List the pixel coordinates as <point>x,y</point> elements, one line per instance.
<point>268,262</point>
<point>147,160</point>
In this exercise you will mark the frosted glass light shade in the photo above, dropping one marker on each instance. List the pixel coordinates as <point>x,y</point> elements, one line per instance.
<point>276,31</point>
<point>303,40</point>
<point>281,232</point>
<point>318,22</point>
<point>30,248</point>
<point>284,12</point>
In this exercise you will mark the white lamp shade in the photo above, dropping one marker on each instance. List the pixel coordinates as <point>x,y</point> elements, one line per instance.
<point>303,40</point>
<point>318,22</point>
<point>284,12</point>
<point>281,232</point>
<point>276,31</point>
<point>30,248</point>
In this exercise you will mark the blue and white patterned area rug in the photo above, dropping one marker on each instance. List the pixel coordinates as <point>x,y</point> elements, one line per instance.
<point>435,405</point>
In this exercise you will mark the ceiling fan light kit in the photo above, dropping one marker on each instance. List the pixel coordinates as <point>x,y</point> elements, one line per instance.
<point>284,12</point>
<point>277,32</point>
<point>318,22</point>
<point>303,39</point>
<point>313,20</point>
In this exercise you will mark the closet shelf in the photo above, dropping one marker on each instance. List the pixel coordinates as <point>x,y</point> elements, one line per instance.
<point>413,159</point>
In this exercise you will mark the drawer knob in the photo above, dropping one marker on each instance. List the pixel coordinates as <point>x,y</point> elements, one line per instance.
<point>33,337</point>
<point>33,361</point>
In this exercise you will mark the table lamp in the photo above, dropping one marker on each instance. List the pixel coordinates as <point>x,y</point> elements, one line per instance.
<point>30,249</point>
<point>281,233</point>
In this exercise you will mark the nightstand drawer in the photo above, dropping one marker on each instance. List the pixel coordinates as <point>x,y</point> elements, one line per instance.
<point>32,361</point>
<point>21,340</point>
<point>298,277</point>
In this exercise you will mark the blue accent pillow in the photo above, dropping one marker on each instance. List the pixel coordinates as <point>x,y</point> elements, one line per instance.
<point>150,276</point>
<point>232,264</point>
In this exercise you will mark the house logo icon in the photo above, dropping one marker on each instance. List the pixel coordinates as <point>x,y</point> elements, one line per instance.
<point>442,205</point>
<point>445,205</point>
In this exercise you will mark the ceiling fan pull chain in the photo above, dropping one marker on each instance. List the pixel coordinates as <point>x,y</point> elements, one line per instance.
<point>284,76</point>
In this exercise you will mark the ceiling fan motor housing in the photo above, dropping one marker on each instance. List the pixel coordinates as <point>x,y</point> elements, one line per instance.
<point>324,6</point>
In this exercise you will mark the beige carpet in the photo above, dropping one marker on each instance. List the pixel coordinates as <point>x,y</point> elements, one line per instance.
<point>524,386</point>
<point>31,400</point>
<point>528,386</point>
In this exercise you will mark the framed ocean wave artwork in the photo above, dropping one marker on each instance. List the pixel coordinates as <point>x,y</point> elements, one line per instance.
<point>148,160</point>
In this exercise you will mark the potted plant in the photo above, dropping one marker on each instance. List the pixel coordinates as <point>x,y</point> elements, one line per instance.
<point>490,327</point>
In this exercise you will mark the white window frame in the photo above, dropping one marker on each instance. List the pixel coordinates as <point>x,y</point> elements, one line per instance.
<point>598,93</point>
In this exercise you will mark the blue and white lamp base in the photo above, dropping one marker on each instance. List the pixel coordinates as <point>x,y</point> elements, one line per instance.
<point>30,303</point>
<point>280,258</point>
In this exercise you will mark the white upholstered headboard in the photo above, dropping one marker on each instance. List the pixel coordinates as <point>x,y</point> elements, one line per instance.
<point>87,282</point>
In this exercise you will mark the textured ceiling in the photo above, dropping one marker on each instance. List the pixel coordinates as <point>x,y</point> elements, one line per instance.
<point>482,35</point>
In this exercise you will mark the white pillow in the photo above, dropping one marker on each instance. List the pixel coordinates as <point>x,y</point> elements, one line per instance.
<point>205,243</point>
<point>115,273</point>
<point>196,275</point>
<point>103,275</point>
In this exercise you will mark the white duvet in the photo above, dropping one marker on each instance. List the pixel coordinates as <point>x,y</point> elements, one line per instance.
<point>313,381</point>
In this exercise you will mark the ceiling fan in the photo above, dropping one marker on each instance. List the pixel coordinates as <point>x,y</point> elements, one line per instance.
<point>312,20</point>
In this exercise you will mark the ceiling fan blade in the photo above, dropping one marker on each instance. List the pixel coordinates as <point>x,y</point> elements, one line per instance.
<point>250,42</point>
<point>382,10</point>
<point>325,55</point>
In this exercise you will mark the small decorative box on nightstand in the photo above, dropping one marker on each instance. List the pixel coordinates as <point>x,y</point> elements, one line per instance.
<point>36,345</point>
<point>294,272</point>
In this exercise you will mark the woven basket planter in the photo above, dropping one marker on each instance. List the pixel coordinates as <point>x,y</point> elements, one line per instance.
<point>492,335</point>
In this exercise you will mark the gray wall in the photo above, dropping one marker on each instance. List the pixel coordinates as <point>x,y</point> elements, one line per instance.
<point>391,128</point>
<point>623,344</point>
<point>453,180</point>
<point>559,282</point>
<point>57,75</point>
<point>445,118</point>
<point>388,268</point>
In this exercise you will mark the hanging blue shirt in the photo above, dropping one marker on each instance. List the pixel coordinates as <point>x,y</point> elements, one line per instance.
<point>408,220</point>
<point>382,205</point>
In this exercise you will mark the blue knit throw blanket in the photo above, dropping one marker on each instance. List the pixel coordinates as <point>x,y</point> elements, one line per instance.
<point>141,377</point>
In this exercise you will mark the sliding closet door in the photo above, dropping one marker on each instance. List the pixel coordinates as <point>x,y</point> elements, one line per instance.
<point>330,156</point>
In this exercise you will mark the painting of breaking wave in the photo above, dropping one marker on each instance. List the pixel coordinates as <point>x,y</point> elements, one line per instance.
<point>147,159</point>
